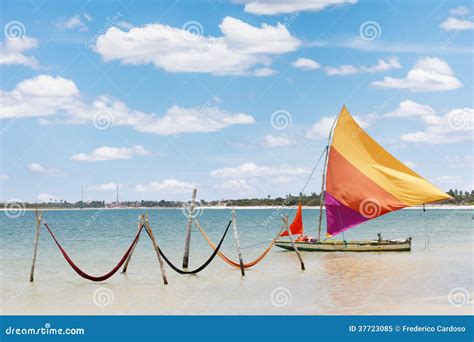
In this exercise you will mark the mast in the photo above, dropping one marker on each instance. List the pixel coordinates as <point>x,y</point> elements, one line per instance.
<point>323,182</point>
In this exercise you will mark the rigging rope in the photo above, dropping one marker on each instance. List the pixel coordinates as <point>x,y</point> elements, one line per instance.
<point>314,170</point>
<point>203,266</point>
<point>231,262</point>
<point>84,274</point>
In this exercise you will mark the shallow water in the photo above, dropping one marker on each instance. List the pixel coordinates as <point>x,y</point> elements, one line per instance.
<point>417,282</point>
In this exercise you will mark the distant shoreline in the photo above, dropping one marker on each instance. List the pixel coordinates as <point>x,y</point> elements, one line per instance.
<point>431,207</point>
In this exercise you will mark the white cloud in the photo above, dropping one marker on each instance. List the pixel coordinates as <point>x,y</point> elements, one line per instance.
<point>104,187</point>
<point>45,95</point>
<point>341,70</point>
<point>39,96</point>
<point>382,65</point>
<point>4,177</point>
<point>38,168</point>
<point>322,127</point>
<point>277,141</point>
<point>74,22</point>
<point>306,63</point>
<point>241,50</point>
<point>459,11</point>
<point>455,24</point>
<point>263,72</point>
<point>125,25</point>
<point>12,51</point>
<point>272,7</point>
<point>47,86</point>
<point>111,153</point>
<point>410,108</point>
<point>168,185</point>
<point>455,126</point>
<point>357,43</point>
<point>236,185</point>
<point>429,74</point>
<point>183,120</point>
<point>248,170</point>
<point>45,197</point>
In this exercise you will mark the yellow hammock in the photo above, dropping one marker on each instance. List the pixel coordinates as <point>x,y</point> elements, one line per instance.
<point>231,262</point>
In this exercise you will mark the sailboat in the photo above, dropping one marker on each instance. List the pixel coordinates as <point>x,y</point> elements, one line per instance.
<point>361,181</point>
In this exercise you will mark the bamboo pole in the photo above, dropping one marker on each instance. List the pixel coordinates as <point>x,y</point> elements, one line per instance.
<point>285,221</point>
<point>140,224</point>
<point>321,194</point>
<point>187,240</point>
<point>38,218</point>
<point>236,236</point>
<point>155,245</point>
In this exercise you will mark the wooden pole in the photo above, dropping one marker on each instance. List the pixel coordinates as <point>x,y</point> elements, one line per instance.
<point>187,240</point>
<point>155,245</point>
<point>321,195</point>
<point>287,226</point>
<point>236,236</point>
<point>140,224</point>
<point>38,218</point>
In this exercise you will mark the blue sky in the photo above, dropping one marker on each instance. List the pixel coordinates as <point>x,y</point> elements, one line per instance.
<point>232,97</point>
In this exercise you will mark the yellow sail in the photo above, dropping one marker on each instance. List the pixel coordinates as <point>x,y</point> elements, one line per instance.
<point>364,181</point>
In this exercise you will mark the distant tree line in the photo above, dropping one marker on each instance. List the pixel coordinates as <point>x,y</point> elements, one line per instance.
<point>459,197</point>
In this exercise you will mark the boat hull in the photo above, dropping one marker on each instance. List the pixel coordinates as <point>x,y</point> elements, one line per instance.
<point>349,246</point>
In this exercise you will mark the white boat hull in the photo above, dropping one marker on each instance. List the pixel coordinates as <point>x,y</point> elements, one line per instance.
<point>349,246</point>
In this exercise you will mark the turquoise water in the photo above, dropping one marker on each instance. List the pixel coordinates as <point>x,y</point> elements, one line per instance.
<point>419,281</point>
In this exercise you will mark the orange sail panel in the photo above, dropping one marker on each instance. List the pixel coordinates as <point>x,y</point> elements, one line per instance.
<point>296,227</point>
<point>364,181</point>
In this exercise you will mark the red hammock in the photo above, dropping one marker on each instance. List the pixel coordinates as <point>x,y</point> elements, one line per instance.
<point>84,274</point>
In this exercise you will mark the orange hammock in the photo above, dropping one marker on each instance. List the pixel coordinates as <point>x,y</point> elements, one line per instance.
<point>231,262</point>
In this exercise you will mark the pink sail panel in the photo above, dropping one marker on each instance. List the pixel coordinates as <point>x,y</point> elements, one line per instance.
<point>339,217</point>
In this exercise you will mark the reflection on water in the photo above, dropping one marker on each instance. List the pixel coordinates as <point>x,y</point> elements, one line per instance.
<point>334,283</point>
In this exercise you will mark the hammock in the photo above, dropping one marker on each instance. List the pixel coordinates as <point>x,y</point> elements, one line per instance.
<point>84,274</point>
<point>203,266</point>
<point>231,262</point>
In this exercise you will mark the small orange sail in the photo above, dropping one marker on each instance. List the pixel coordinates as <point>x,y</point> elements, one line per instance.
<point>364,181</point>
<point>296,227</point>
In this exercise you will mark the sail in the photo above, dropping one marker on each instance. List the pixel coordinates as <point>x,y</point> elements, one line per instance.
<point>364,181</point>
<point>296,227</point>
